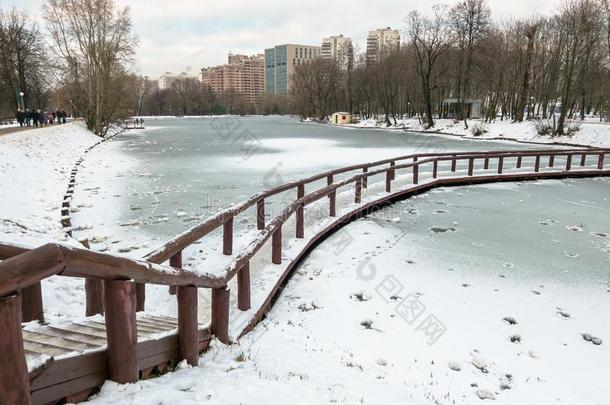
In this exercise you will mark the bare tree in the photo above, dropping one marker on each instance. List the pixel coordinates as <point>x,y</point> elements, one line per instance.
<point>470,23</point>
<point>22,60</point>
<point>94,42</point>
<point>430,38</point>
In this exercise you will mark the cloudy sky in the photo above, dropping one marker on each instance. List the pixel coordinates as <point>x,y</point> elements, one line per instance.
<point>186,35</point>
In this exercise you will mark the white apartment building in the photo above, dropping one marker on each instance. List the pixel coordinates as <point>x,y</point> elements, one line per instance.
<point>336,46</point>
<point>381,41</point>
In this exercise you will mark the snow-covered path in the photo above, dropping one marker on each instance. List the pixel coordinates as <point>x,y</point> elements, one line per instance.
<point>35,167</point>
<point>384,319</point>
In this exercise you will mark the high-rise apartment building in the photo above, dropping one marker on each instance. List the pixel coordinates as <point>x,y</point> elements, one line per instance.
<point>381,41</point>
<point>281,62</point>
<point>245,74</point>
<point>167,79</point>
<point>336,47</point>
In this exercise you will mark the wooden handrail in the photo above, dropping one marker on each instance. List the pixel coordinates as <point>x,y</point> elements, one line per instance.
<point>77,262</point>
<point>23,270</point>
<point>185,239</point>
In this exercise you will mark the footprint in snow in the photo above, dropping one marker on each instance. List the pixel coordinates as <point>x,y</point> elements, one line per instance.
<point>440,229</point>
<point>563,314</point>
<point>515,338</point>
<point>593,339</point>
<point>510,320</point>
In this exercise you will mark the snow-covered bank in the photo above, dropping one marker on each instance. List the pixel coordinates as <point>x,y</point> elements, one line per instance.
<point>35,167</point>
<point>591,132</point>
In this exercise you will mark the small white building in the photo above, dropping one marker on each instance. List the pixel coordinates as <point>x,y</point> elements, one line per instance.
<point>341,118</point>
<point>473,108</point>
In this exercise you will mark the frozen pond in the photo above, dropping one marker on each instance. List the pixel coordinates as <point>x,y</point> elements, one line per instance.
<point>158,182</point>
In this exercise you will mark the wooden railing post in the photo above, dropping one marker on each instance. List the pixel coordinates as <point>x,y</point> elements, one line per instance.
<point>569,163</point>
<point>243,288</point>
<point>537,164</point>
<point>329,180</point>
<point>453,164</point>
<point>365,180</point>
<point>393,171</point>
<point>358,193</point>
<point>519,162</point>
<point>227,237</point>
<point>14,378</point>
<point>500,164</point>
<point>583,160</point>
<point>94,292</point>
<point>486,163</point>
<point>388,181</point>
<point>416,173</point>
<point>332,204</point>
<point>435,169</point>
<point>176,262</point>
<point>31,303</point>
<point>220,313</point>
<point>470,166</point>
<point>276,246</point>
<point>600,162</point>
<point>140,296</point>
<point>300,231</point>
<point>121,331</point>
<point>188,339</point>
<point>552,161</point>
<point>260,214</point>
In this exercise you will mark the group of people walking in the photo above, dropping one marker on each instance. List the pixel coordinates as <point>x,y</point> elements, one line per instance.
<point>39,118</point>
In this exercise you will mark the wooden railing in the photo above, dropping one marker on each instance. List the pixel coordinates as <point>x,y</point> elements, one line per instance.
<point>124,279</point>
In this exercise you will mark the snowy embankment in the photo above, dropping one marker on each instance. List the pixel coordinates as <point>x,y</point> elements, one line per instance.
<point>591,132</point>
<point>35,167</point>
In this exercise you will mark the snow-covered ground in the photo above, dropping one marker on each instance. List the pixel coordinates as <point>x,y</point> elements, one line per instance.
<point>35,167</point>
<point>421,308</point>
<point>340,332</point>
<point>591,132</point>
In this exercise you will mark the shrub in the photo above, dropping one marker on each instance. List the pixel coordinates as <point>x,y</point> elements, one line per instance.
<point>478,128</point>
<point>544,127</point>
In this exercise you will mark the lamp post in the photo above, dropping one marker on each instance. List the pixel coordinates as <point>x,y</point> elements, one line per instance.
<point>20,101</point>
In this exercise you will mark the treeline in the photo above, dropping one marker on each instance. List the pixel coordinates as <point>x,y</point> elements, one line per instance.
<point>553,68</point>
<point>188,96</point>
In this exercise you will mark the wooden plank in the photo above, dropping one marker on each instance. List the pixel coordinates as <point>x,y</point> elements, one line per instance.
<point>159,326</point>
<point>144,329</point>
<point>78,334</point>
<point>70,368</point>
<point>56,392</point>
<point>56,341</point>
<point>82,329</point>
<point>163,318</point>
<point>40,348</point>
<point>74,337</point>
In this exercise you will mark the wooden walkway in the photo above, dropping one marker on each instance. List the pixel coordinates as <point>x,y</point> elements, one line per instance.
<point>68,362</point>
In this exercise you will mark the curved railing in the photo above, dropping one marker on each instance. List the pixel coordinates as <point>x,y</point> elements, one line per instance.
<point>124,278</point>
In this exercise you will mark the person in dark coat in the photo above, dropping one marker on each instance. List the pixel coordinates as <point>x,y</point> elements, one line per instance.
<point>20,117</point>
<point>27,116</point>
